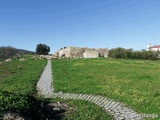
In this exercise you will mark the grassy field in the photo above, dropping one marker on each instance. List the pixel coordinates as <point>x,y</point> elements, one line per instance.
<point>20,77</point>
<point>17,84</point>
<point>17,92</point>
<point>133,82</point>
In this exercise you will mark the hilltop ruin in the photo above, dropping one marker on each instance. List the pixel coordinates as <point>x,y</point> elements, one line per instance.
<point>81,52</point>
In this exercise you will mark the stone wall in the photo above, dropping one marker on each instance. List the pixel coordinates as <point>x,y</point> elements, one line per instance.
<point>81,52</point>
<point>91,54</point>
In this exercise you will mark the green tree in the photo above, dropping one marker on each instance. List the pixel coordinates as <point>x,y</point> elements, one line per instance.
<point>123,53</point>
<point>42,49</point>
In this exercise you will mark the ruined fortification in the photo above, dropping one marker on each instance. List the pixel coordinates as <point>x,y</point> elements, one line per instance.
<point>81,52</point>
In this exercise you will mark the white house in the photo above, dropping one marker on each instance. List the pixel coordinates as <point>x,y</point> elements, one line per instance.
<point>153,48</point>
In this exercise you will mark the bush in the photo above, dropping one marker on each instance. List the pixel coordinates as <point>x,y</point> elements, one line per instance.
<point>123,53</point>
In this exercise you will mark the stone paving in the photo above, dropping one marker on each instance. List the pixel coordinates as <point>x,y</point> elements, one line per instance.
<point>118,110</point>
<point>44,85</point>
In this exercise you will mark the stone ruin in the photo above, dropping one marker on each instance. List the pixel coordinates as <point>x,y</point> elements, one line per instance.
<point>48,57</point>
<point>80,52</point>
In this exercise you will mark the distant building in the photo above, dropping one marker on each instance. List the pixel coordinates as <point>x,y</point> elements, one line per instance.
<point>153,48</point>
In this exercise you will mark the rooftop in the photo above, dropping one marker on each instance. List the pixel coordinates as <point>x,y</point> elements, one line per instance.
<point>156,46</point>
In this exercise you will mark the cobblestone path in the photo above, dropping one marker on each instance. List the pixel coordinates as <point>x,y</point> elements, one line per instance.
<point>44,85</point>
<point>119,110</point>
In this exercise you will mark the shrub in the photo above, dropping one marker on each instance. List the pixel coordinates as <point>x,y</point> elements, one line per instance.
<point>123,53</point>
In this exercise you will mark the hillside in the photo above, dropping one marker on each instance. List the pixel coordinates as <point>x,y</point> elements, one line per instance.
<point>10,52</point>
<point>22,51</point>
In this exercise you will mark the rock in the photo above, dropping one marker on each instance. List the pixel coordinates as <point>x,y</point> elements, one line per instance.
<point>90,54</point>
<point>13,116</point>
<point>61,53</point>
<point>60,92</point>
<point>48,57</point>
<point>22,59</point>
<point>56,109</point>
<point>64,105</point>
<point>33,58</point>
<point>73,109</point>
<point>57,106</point>
<point>8,60</point>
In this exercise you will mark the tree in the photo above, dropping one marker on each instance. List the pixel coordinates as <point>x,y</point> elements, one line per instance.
<point>7,52</point>
<point>123,53</point>
<point>42,49</point>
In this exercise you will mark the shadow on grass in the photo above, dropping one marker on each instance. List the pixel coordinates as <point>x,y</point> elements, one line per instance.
<point>28,106</point>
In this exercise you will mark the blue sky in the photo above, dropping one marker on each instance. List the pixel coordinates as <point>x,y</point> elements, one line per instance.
<point>82,23</point>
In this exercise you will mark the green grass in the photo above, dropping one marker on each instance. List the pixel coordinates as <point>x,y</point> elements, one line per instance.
<point>133,82</point>
<point>27,56</point>
<point>17,84</point>
<point>20,76</point>
<point>17,93</point>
